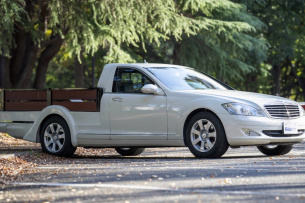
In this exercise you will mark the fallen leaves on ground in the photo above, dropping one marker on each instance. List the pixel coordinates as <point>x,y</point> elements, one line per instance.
<point>12,169</point>
<point>9,143</point>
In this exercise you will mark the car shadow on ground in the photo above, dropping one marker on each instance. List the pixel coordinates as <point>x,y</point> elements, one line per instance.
<point>160,157</point>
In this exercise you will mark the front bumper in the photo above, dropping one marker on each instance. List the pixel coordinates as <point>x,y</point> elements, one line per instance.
<point>235,130</point>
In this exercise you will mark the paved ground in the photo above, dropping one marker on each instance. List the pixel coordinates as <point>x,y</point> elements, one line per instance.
<point>162,175</point>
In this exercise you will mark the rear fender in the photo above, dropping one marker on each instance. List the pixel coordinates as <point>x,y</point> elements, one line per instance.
<point>33,134</point>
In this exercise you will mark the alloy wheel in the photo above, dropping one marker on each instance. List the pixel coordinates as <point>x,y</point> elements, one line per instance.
<point>54,137</point>
<point>203,135</point>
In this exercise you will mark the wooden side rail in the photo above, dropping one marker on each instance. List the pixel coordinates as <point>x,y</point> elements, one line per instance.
<point>25,100</point>
<point>87,100</point>
<point>77,100</point>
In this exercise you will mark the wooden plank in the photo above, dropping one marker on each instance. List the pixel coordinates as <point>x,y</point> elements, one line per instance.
<point>18,95</point>
<point>25,106</point>
<point>89,94</point>
<point>77,106</point>
<point>36,100</point>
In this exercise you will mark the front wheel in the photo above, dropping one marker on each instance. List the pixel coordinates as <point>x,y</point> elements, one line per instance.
<point>205,136</point>
<point>129,151</point>
<point>55,137</point>
<point>272,150</point>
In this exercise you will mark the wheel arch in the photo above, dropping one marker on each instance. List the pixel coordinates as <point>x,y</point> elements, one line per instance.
<point>194,112</point>
<point>43,121</point>
<point>48,112</point>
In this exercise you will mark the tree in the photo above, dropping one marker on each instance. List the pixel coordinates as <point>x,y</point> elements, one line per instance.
<point>284,67</point>
<point>222,47</point>
<point>285,21</point>
<point>33,31</point>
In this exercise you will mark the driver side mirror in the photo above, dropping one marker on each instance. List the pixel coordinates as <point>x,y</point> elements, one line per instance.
<point>151,89</point>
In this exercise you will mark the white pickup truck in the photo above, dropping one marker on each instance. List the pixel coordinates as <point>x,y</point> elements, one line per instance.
<point>152,105</point>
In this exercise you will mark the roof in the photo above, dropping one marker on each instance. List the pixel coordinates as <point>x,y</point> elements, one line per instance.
<point>146,65</point>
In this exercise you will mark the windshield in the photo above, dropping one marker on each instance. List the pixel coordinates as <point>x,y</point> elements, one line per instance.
<point>184,79</point>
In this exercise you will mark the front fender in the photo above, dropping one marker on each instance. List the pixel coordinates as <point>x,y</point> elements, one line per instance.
<point>33,134</point>
<point>187,106</point>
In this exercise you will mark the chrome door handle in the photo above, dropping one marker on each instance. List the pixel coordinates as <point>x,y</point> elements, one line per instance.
<point>117,99</point>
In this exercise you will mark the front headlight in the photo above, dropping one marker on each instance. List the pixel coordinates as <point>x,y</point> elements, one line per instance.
<point>242,109</point>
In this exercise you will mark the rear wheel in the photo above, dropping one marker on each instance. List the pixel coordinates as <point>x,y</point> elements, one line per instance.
<point>55,137</point>
<point>272,150</point>
<point>129,151</point>
<point>205,136</point>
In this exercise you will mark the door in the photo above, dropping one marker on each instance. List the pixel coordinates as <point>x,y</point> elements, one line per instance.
<point>133,114</point>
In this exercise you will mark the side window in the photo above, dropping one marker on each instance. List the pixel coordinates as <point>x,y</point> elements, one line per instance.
<point>129,80</point>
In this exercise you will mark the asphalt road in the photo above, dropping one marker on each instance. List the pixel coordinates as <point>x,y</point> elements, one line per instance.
<point>166,175</point>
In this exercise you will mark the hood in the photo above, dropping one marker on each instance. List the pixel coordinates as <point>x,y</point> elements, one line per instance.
<point>243,97</point>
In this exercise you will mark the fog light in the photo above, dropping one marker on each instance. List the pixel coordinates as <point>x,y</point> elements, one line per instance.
<point>249,132</point>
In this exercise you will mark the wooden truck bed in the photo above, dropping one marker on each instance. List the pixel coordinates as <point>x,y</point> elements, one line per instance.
<point>87,100</point>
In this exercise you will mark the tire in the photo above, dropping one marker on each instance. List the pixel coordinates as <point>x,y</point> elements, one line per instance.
<point>129,151</point>
<point>55,137</point>
<point>205,136</point>
<point>275,150</point>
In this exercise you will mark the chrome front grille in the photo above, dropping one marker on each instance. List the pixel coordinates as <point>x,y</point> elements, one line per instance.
<point>283,111</point>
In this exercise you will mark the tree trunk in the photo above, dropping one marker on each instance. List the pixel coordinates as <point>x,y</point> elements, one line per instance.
<point>17,71</point>
<point>251,84</point>
<point>93,71</point>
<point>300,80</point>
<point>176,53</point>
<point>276,70</point>
<point>44,60</point>
<point>4,72</point>
<point>27,68</point>
<point>1,73</point>
<point>18,54</point>
<point>79,71</point>
<point>303,81</point>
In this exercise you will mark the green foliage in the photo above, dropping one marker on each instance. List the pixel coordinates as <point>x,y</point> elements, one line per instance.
<point>61,73</point>
<point>108,24</point>
<point>90,24</point>
<point>11,15</point>
<point>213,36</point>
<point>223,49</point>
<point>227,36</point>
<point>285,34</point>
<point>83,27</point>
<point>283,19</point>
